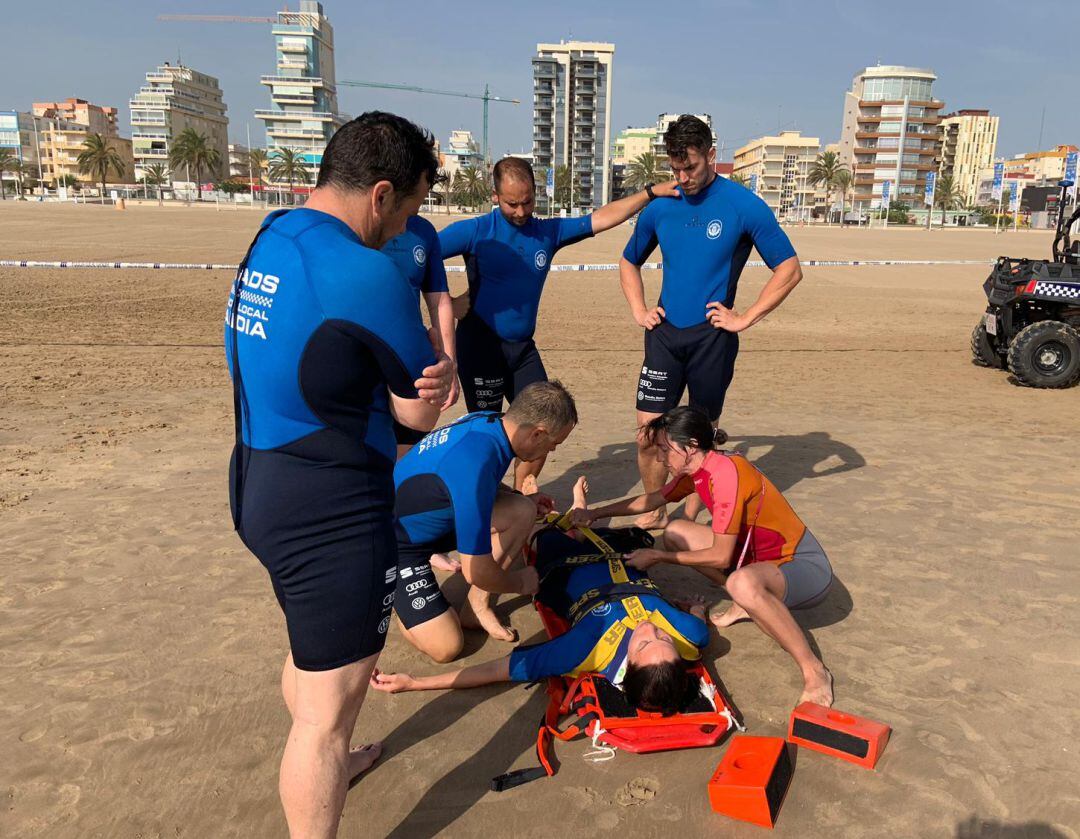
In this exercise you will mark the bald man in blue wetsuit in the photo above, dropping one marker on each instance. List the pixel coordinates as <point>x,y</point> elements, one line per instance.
<point>508,255</point>
<point>692,334</point>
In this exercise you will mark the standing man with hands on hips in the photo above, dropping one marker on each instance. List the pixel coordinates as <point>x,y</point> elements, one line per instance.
<point>692,334</point>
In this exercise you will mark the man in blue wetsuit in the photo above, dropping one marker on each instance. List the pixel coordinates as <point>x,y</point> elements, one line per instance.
<point>450,496</point>
<point>508,255</point>
<point>691,335</point>
<point>325,346</point>
<point>623,630</point>
<point>417,255</point>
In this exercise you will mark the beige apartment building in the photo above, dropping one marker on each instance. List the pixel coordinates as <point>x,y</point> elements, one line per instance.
<point>778,168</point>
<point>969,141</point>
<point>63,128</point>
<point>890,132</point>
<point>663,122</point>
<point>632,143</point>
<point>99,119</point>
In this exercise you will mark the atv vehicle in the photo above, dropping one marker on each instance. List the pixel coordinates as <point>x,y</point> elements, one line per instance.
<point>1032,320</point>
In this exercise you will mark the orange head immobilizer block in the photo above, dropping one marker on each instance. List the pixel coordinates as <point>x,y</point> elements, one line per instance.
<point>752,779</point>
<point>835,733</point>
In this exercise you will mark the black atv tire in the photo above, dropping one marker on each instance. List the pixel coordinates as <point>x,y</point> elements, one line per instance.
<point>982,348</point>
<point>1046,354</point>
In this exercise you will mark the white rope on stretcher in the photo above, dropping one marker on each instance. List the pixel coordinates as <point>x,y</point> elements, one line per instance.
<point>601,752</point>
<point>710,692</point>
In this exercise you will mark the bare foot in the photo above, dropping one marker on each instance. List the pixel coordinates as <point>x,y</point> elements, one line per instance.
<point>656,520</point>
<point>818,688</point>
<point>529,486</point>
<point>361,759</point>
<point>581,493</point>
<point>734,614</point>
<point>445,563</point>
<point>477,614</point>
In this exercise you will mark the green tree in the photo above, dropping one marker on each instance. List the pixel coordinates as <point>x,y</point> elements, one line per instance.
<point>232,187</point>
<point>844,183</point>
<point>70,181</point>
<point>823,172</point>
<point>289,165</point>
<point>193,150</point>
<point>98,157</point>
<point>741,180</point>
<point>470,187</point>
<point>8,163</point>
<point>564,187</point>
<point>947,195</point>
<point>257,161</point>
<point>156,175</point>
<point>642,171</point>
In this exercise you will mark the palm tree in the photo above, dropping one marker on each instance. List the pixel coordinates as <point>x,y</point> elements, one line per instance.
<point>642,171</point>
<point>288,165</point>
<point>470,186</point>
<point>8,163</point>
<point>192,149</point>
<point>156,175</point>
<point>947,195</point>
<point>564,187</point>
<point>823,173</point>
<point>257,161</point>
<point>844,181</point>
<point>98,157</point>
<point>741,180</point>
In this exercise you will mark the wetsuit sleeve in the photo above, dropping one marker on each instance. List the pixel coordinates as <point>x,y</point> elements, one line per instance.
<point>570,230</point>
<point>391,329</point>
<point>764,230</point>
<point>643,240</point>
<point>434,272</point>
<point>557,657</point>
<point>728,507</point>
<point>691,628</point>
<point>678,489</point>
<point>457,238</point>
<point>473,489</point>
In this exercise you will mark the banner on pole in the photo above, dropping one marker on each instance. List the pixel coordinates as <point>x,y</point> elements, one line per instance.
<point>931,185</point>
<point>1014,195</point>
<point>1070,172</point>
<point>550,186</point>
<point>753,183</point>
<point>886,190</point>
<point>999,175</point>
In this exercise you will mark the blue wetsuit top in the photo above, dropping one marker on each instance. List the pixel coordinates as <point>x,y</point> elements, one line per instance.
<point>706,240</point>
<point>563,655</point>
<point>507,265</point>
<point>326,326</point>
<point>417,255</point>
<point>447,483</point>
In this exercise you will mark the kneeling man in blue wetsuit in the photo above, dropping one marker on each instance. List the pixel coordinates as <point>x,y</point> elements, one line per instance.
<point>450,496</point>
<point>620,627</point>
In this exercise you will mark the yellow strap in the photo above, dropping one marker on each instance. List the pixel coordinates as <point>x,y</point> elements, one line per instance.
<point>601,655</point>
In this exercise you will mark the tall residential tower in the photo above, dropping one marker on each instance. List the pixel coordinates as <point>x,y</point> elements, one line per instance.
<point>303,113</point>
<point>572,116</point>
<point>969,141</point>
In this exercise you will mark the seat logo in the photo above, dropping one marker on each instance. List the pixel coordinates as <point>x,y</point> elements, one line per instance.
<point>714,228</point>
<point>541,259</point>
<point>419,255</point>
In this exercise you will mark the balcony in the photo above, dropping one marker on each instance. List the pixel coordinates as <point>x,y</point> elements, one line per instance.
<point>585,71</point>
<point>543,71</point>
<point>292,48</point>
<point>294,99</point>
<point>313,81</point>
<point>268,113</point>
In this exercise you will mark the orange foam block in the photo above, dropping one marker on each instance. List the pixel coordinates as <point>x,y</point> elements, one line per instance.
<point>846,736</point>
<point>752,779</point>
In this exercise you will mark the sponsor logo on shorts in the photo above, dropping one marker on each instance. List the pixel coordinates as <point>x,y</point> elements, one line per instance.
<point>602,609</point>
<point>477,381</point>
<point>485,392</point>
<point>418,603</point>
<point>420,569</point>
<point>419,255</point>
<point>405,574</point>
<point>386,601</point>
<point>384,624</point>
<point>541,259</point>
<point>430,597</point>
<point>714,229</point>
<point>480,403</point>
<point>416,585</point>
<point>640,395</point>
<point>391,575</point>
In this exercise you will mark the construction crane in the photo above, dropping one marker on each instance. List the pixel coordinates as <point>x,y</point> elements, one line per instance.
<point>487,96</point>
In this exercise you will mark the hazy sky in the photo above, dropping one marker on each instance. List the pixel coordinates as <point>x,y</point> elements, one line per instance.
<point>752,64</point>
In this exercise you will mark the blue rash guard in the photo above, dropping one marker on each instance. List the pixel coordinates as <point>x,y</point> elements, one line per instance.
<point>563,656</point>
<point>418,257</point>
<point>507,265</point>
<point>326,328</point>
<point>706,240</point>
<point>447,483</point>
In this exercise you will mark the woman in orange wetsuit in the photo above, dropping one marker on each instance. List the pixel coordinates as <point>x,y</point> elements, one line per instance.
<point>756,547</point>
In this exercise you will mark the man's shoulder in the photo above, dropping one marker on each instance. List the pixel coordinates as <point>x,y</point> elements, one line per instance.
<point>422,229</point>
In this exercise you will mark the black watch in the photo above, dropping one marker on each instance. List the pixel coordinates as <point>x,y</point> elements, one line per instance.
<point>649,192</point>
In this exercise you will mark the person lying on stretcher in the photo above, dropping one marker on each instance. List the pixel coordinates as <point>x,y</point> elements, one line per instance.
<point>620,627</point>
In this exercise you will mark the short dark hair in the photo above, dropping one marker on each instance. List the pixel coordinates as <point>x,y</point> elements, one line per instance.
<point>549,403</point>
<point>377,146</point>
<point>664,688</point>
<point>687,132</point>
<point>686,426</point>
<point>514,168</point>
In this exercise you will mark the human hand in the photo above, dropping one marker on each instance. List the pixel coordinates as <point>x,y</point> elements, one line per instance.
<point>666,190</point>
<point>649,318</point>
<point>530,581</point>
<point>580,517</point>
<point>721,317</point>
<point>544,503</point>
<point>460,305</point>
<point>435,381</point>
<point>391,682</point>
<point>644,558</point>
<point>694,604</point>
<point>452,396</point>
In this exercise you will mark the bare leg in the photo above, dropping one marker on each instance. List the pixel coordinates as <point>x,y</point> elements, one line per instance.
<point>316,765</point>
<point>581,494</point>
<point>653,474</point>
<point>759,589</point>
<point>523,469</point>
<point>439,638</point>
<point>683,535</point>
<point>511,522</point>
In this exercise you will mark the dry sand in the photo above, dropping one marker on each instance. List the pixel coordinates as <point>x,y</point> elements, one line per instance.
<point>141,644</point>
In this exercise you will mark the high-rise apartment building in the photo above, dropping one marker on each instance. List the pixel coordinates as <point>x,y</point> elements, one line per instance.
<point>63,128</point>
<point>969,141</point>
<point>890,133</point>
<point>663,122</point>
<point>99,119</point>
<point>17,137</point>
<point>632,143</point>
<point>303,113</point>
<point>782,165</point>
<point>173,99</point>
<point>462,151</point>
<point>572,116</point>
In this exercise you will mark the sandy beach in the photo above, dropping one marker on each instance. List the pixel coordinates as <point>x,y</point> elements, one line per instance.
<point>142,645</point>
